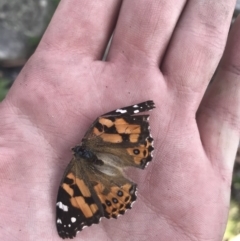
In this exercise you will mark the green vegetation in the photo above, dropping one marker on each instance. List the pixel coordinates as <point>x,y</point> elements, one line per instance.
<point>4,86</point>
<point>233,225</point>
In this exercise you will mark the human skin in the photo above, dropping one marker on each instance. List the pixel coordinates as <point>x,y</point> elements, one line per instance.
<point>162,50</point>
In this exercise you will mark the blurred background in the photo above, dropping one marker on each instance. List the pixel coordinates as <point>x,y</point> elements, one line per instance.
<point>22,23</point>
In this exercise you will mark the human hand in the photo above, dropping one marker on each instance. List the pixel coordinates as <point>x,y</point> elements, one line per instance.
<point>184,192</point>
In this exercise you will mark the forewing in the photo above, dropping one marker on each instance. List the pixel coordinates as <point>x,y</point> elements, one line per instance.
<point>127,137</point>
<point>77,204</point>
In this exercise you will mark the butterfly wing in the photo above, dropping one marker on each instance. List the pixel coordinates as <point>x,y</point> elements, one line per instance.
<point>77,204</point>
<point>89,192</point>
<point>123,135</point>
<point>115,192</point>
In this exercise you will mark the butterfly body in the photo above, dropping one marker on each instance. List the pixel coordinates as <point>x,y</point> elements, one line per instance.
<point>93,185</point>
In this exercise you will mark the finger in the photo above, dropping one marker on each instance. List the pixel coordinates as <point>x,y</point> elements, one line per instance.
<point>143,31</point>
<point>85,28</point>
<point>196,48</point>
<point>219,113</point>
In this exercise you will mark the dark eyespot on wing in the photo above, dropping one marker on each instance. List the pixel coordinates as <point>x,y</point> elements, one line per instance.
<point>117,200</point>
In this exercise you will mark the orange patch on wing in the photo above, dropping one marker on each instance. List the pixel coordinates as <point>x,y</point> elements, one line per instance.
<point>133,137</point>
<point>68,189</point>
<point>105,122</point>
<point>128,129</point>
<point>94,208</point>
<point>137,160</point>
<point>79,202</point>
<point>71,176</point>
<point>80,183</point>
<point>83,188</point>
<point>126,187</point>
<point>124,127</point>
<point>99,188</point>
<point>120,121</point>
<point>113,138</point>
<point>97,132</point>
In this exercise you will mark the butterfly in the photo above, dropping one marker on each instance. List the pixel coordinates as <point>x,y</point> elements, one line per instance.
<point>93,185</point>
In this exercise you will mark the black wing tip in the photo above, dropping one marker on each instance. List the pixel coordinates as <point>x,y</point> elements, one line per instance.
<point>68,236</point>
<point>132,109</point>
<point>149,104</point>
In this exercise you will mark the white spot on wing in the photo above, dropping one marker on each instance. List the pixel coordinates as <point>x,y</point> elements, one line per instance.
<point>59,220</point>
<point>121,111</point>
<point>73,220</point>
<point>69,225</point>
<point>136,111</point>
<point>135,106</point>
<point>62,206</point>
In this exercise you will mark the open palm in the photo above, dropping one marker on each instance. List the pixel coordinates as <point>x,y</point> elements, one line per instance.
<point>166,51</point>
